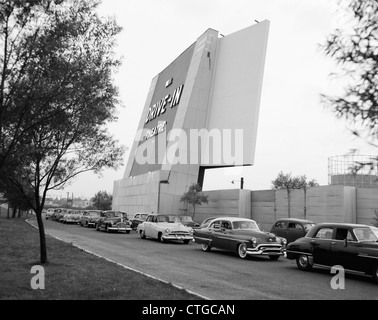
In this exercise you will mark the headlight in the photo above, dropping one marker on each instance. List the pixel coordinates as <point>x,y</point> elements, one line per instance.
<point>167,230</point>
<point>284,241</point>
<point>254,242</point>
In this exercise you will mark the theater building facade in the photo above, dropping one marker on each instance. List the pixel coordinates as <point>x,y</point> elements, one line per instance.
<point>201,112</point>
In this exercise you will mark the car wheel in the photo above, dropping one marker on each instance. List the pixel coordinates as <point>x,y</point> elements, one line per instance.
<point>160,238</point>
<point>274,258</point>
<point>242,250</point>
<point>186,241</point>
<point>127,231</point>
<point>142,234</point>
<point>303,262</point>
<point>206,247</point>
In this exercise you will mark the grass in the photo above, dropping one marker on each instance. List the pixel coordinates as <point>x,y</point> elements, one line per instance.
<point>71,273</point>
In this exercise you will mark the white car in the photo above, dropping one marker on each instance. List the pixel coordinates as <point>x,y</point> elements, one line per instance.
<point>164,227</point>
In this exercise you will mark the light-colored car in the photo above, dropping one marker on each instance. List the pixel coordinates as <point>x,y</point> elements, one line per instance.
<point>164,227</point>
<point>72,216</point>
<point>49,213</point>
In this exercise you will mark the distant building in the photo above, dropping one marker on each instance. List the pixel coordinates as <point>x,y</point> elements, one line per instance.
<point>342,171</point>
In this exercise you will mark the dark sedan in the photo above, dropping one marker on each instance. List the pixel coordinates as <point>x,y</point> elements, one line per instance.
<point>113,221</point>
<point>352,246</point>
<point>291,229</point>
<point>241,236</point>
<point>137,219</point>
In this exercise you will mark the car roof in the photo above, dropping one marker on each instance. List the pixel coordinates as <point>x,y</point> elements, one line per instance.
<point>294,220</point>
<point>342,224</point>
<point>232,219</point>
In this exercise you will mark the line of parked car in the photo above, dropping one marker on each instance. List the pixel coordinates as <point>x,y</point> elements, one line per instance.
<point>353,246</point>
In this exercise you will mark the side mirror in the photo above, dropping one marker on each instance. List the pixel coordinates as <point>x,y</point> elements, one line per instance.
<point>345,242</point>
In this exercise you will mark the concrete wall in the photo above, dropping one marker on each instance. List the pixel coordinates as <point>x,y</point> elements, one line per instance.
<point>367,204</point>
<point>232,202</point>
<point>319,204</point>
<point>333,203</point>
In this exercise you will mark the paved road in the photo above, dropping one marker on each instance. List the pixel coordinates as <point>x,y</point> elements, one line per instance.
<point>216,274</point>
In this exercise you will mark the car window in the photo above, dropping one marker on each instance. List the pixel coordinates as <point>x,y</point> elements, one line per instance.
<point>226,225</point>
<point>324,233</point>
<point>215,225</point>
<point>281,225</point>
<point>296,226</point>
<point>308,226</point>
<point>245,225</point>
<point>342,234</point>
<point>163,219</point>
<point>365,234</point>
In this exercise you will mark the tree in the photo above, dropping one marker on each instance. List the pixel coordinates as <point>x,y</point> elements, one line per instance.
<point>354,48</point>
<point>194,196</point>
<point>102,200</point>
<point>287,182</point>
<point>56,96</point>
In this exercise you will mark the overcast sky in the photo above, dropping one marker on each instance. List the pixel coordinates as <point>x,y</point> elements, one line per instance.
<point>295,133</point>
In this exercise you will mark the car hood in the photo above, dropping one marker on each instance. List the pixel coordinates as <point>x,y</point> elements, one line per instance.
<point>254,233</point>
<point>173,226</point>
<point>114,219</point>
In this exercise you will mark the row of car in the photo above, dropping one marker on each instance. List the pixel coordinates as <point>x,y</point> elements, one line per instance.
<point>353,246</point>
<point>108,220</point>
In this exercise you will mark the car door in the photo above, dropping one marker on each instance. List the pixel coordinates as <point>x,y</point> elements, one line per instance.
<point>321,246</point>
<point>294,231</point>
<point>221,236</point>
<point>149,226</point>
<point>280,229</point>
<point>214,231</point>
<point>344,248</point>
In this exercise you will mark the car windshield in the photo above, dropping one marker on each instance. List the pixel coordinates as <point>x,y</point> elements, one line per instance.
<point>94,214</point>
<point>186,219</point>
<point>251,225</point>
<point>365,234</point>
<point>112,214</point>
<point>167,218</point>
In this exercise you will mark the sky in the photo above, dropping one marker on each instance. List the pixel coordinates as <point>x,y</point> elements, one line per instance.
<point>296,134</point>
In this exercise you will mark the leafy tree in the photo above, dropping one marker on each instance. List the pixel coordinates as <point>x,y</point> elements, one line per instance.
<point>194,197</point>
<point>354,47</point>
<point>56,96</point>
<point>288,182</point>
<point>102,200</point>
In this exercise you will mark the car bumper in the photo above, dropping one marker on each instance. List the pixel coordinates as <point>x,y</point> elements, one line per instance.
<point>71,221</point>
<point>115,228</point>
<point>177,237</point>
<point>267,250</point>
